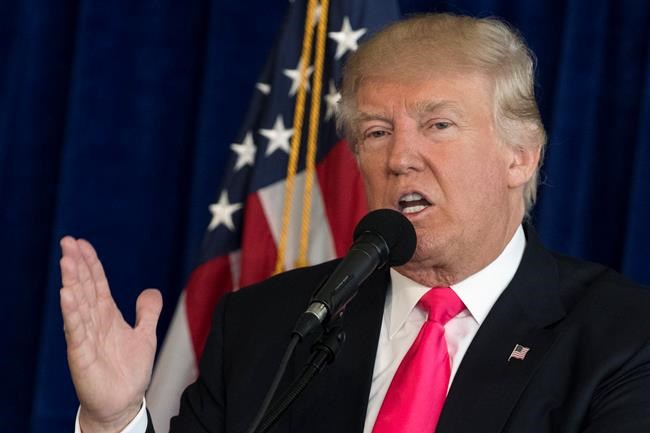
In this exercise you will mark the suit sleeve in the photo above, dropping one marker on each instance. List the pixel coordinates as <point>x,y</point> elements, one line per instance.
<point>622,402</point>
<point>202,406</point>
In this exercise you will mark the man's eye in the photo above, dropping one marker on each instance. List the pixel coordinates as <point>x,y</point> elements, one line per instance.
<point>442,125</point>
<point>376,134</point>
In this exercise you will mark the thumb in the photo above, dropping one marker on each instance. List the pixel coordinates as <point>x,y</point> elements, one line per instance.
<point>147,310</point>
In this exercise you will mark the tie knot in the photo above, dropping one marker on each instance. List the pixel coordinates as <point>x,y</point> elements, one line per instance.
<point>442,304</point>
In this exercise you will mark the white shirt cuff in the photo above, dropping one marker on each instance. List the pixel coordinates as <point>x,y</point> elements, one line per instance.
<point>137,424</point>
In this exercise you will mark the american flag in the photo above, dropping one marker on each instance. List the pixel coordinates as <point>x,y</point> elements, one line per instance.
<point>267,217</point>
<point>519,352</point>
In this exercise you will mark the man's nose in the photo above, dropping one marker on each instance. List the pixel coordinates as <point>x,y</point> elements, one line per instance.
<point>404,153</point>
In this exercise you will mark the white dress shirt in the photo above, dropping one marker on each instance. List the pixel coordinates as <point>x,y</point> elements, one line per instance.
<point>402,318</point>
<point>402,321</point>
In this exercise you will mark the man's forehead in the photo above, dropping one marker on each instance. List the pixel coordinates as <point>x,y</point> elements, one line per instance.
<point>451,90</point>
<point>431,106</point>
<point>373,103</point>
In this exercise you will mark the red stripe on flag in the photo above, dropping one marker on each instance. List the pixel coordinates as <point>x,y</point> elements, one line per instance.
<point>343,195</point>
<point>258,249</point>
<point>206,285</point>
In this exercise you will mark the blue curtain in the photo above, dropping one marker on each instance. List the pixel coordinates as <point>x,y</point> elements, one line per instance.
<point>116,117</point>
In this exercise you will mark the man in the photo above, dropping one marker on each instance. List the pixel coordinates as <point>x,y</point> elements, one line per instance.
<point>441,115</point>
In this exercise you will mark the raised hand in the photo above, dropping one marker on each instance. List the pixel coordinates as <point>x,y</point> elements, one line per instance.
<point>110,361</point>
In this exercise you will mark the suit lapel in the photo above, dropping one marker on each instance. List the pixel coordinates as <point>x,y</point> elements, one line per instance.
<point>487,385</point>
<point>338,398</point>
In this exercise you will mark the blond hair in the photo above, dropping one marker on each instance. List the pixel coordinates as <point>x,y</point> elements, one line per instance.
<point>485,45</point>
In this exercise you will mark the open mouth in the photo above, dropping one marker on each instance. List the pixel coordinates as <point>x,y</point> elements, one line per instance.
<point>412,203</point>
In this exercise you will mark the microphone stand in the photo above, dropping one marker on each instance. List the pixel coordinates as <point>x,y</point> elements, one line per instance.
<point>323,352</point>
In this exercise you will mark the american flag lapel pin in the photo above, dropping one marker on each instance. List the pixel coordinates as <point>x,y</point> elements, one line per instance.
<point>519,352</point>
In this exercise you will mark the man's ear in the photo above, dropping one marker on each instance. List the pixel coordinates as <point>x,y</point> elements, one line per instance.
<point>524,160</point>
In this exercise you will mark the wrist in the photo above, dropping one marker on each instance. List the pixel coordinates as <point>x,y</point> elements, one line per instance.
<point>115,424</point>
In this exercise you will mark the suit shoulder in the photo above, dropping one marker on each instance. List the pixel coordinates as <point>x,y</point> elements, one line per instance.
<point>298,284</point>
<point>579,273</point>
<point>602,295</point>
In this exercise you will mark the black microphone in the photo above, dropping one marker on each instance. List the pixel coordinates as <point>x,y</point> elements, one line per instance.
<point>383,236</point>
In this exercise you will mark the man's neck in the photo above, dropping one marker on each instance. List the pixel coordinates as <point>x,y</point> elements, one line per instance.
<point>446,274</point>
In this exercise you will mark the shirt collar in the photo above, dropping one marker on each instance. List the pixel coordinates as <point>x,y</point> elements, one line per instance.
<point>478,292</point>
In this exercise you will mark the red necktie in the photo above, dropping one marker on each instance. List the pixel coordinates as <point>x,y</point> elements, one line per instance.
<point>415,397</point>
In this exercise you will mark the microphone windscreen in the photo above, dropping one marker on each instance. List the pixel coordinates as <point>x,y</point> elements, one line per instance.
<point>396,230</point>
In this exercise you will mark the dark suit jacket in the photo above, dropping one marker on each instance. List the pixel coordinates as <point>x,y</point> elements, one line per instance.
<point>588,368</point>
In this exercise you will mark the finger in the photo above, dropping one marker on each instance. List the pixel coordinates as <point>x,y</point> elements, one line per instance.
<point>85,275</point>
<point>96,268</point>
<point>70,275</point>
<point>70,280</point>
<point>73,324</point>
<point>81,351</point>
<point>71,261</point>
<point>147,311</point>
<point>68,261</point>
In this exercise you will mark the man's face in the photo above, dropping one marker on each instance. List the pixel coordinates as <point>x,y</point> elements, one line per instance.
<point>429,148</point>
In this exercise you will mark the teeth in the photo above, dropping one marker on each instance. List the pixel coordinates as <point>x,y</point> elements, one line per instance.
<point>413,209</point>
<point>414,196</point>
<point>413,202</point>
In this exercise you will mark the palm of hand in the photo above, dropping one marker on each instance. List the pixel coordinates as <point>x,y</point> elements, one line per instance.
<point>110,361</point>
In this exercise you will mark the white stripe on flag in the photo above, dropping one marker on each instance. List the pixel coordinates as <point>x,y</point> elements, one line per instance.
<point>321,243</point>
<point>175,370</point>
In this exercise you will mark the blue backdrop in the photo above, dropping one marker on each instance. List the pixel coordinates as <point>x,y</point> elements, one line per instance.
<point>115,120</point>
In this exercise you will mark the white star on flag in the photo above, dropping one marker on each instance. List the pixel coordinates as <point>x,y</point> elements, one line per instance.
<point>294,75</point>
<point>347,39</point>
<point>332,99</point>
<point>222,212</point>
<point>245,151</point>
<point>264,88</point>
<point>278,136</point>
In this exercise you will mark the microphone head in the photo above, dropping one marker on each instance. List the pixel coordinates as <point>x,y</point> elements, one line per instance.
<point>395,229</point>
